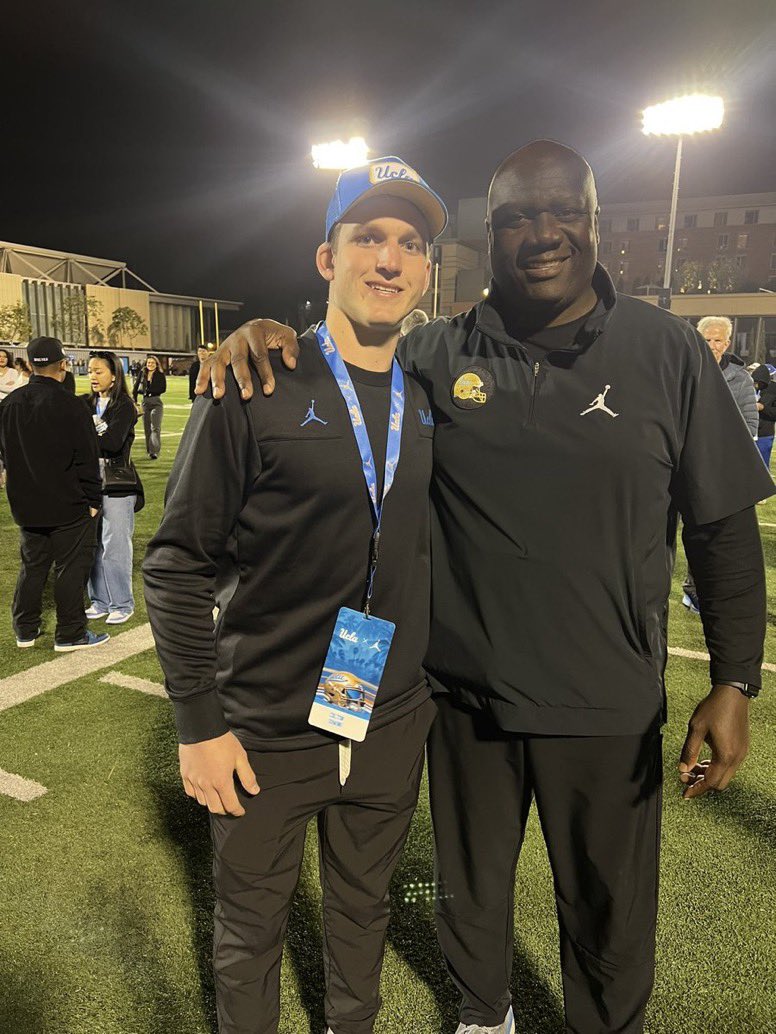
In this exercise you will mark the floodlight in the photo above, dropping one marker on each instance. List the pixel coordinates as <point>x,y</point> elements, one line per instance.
<point>694,113</point>
<point>338,154</point>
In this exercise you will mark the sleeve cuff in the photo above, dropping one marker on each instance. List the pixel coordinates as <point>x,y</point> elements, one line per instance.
<point>199,717</point>
<point>721,674</point>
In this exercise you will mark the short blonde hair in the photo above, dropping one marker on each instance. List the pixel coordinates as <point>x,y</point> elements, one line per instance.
<point>716,321</point>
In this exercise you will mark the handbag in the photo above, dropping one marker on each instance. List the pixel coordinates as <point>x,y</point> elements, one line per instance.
<point>119,476</point>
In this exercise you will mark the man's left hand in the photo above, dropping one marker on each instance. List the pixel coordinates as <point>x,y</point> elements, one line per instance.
<point>722,721</point>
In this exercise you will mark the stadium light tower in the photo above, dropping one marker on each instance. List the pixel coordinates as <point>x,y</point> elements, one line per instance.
<point>340,154</point>
<point>680,117</point>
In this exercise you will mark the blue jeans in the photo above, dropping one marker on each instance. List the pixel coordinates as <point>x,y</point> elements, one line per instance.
<point>110,583</point>
<point>764,446</point>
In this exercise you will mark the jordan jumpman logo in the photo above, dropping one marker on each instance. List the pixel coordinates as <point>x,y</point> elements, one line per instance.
<point>311,416</point>
<point>599,403</point>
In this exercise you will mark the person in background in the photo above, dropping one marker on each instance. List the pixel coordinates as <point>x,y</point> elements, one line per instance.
<point>202,354</point>
<point>23,370</point>
<point>416,318</point>
<point>69,381</point>
<point>114,416</point>
<point>765,390</point>
<point>50,451</point>
<point>9,376</point>
<point>717,332</point>
<point>152,384</point>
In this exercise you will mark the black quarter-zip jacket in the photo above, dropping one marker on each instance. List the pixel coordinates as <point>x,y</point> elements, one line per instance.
<point>554,498</point>
<point>267,515</point>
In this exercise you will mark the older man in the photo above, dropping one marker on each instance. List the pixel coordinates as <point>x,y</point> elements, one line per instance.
<point>572,425</point>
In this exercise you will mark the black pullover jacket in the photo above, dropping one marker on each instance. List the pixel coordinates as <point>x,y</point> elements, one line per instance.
<point>49,445</point>
<point>267,515</point>
<point>554,521</point>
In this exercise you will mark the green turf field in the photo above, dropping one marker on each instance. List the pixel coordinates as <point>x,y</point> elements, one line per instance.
<point>104,880</point>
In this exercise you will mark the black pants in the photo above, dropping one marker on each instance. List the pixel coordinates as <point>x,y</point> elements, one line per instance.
<point>70,548</point>
<point>598,800</point>
<point>362,828</point>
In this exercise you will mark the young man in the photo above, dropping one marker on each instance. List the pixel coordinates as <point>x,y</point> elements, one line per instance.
<point>283,512</point>
<point>202,354</point>
<point>49,448</point>
<point>574,424</point>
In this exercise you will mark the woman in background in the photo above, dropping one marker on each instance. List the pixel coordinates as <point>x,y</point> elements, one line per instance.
<point>152,384</point>
<point>23,371</point>
<point>114,416</point>
<point>9,378</point>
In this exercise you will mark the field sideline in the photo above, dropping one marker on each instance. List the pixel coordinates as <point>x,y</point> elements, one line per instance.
<point>105,881</point>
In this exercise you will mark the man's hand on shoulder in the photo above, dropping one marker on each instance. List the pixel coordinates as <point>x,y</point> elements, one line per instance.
<point>208,769</point>
<point>720,720</point>
<point>249,343</point>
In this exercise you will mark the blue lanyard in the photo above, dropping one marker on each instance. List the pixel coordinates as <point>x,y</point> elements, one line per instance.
<point>393,444</point>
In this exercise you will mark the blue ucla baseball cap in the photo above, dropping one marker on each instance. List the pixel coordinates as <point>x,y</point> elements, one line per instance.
<point>393,178</point>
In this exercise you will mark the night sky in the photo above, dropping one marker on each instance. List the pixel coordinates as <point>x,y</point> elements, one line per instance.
<point>175,135</point>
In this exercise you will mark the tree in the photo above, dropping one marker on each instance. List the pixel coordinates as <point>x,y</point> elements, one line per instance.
<point>720,276</point>
<point>723,276</point>
<point>690,276</point>
<point>79,319</point>
<point>125,323</point>
<point>15,322</point>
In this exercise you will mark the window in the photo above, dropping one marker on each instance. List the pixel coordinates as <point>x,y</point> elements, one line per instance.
<point>623,267</point>
<point>661,222</point>
<point>722,242</point>
<point>681,243</point>
<point>773,261</point>
<point>624,247</point>
<point>606,247</point>
<point>720,218</point>
<point>751,216</point>
<point>690,222</point>
<point>662,244</point>
<point>741,261</point>
<point>633,225</point>
<point>605,225</point>
<point>742,241</point>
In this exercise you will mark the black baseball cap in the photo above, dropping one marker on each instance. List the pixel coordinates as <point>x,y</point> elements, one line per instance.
<point>43,351</point>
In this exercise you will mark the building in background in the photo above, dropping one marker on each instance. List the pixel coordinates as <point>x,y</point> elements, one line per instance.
<point>90,302</point>
<point>724,261</point>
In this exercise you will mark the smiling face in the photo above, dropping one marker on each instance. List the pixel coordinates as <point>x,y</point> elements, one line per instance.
<point>3,359</point>
<point>151,364</point>
<point>101,377</point>
<point>543,230</point>
<point>202,354</point>
<point>377,263</point>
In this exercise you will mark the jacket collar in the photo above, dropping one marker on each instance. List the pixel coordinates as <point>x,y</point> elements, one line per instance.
<point>48,382</point>
<point>490,322</point>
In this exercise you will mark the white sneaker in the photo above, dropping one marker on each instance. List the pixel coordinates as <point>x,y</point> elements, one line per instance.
<point>118,617</point>
<point>93,613</point>
<point>507,1027</point>
<point>24,644</point>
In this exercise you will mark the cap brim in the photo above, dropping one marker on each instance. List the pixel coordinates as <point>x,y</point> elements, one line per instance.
<point>423,198</point>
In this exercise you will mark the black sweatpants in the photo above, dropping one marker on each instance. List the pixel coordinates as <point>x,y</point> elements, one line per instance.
<point>362,828</point>
<point>598,800</point>
<point>71,549</point>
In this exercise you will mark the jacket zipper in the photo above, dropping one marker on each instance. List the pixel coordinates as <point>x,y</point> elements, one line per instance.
<point>533,393</point>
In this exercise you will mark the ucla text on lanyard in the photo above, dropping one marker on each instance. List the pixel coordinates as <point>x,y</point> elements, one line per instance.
<point>393,443</point>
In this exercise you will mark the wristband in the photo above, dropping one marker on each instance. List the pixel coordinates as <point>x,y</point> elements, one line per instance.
<point>744,687</point>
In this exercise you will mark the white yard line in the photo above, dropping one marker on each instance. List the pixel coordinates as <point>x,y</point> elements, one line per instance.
<point>696,655</point>
<point>19,788</point>
<point>764,524</point>
<point>16,689</point>
<point>117,678</point>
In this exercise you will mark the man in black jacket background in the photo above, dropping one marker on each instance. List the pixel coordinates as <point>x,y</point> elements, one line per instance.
<point>766,407</point>
<point>49,448</point>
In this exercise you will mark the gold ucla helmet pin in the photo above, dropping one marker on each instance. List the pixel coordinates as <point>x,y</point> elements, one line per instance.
<point>473,388</point>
